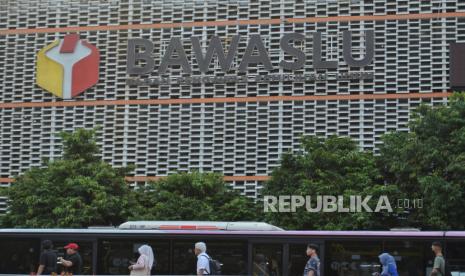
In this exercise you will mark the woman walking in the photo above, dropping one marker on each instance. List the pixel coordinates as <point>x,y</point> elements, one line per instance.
<point>144,263</point>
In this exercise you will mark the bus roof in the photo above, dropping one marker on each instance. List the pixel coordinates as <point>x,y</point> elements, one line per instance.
<point>227,228</point>
<point>200,225</point>
<point>315,234</point>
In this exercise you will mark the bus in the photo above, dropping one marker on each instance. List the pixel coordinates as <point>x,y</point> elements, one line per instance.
<point>237,245</point>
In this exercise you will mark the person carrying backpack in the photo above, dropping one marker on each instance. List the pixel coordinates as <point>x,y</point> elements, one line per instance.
<point>205,264</point>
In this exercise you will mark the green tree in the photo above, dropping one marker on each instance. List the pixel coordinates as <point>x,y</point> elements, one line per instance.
<point>429,163</point>
<point>192,196</point>
<point>77,190</point>
<point>333,166</point>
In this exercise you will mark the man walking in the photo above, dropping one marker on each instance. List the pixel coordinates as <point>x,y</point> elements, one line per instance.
<point>48,259</point>
<point>203,260</point>
<point>73,261</point>
<point>439,266</point>
<point>312,268</point>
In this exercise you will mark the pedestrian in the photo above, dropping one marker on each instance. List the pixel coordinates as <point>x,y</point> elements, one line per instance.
<point>389,265</point>
<point>203,260</point>
<point>145,262</point>
<point>48,259</point>
<point>312,268</point>
<point>72,261</point>
<point>439,266</point>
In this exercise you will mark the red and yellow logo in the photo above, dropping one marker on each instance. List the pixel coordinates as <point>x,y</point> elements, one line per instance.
<point>67,67</point>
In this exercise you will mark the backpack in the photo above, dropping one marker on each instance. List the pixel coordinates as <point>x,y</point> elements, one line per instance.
<point>215,266</point>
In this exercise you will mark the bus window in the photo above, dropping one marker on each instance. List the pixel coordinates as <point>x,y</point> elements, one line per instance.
<point>455,256</point>
<point>19,256</point>
<point>85,250</point>
<point>233,256</point>
<point>411,256</point>
<point>184,259</point>
<point>352,258</point>
<point>267,259</point>
<point>297,259</point>
<point>115,256</point>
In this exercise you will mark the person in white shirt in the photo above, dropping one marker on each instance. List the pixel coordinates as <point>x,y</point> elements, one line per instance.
<point>203,260</point>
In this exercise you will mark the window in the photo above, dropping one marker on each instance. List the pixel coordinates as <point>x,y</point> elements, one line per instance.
<point>19,256</point>
<point>233,256</point>
<point>455,256</point>
<point>85,250</point>
<point>115,256</point>
<point>410,256</point>
<point>352,258</point>
<point>267,259</point>
<point>297,259</point>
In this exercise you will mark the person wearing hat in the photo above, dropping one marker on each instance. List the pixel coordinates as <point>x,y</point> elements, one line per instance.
<point>73,261</point>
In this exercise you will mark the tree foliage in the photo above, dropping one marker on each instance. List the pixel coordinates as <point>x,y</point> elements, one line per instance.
<point>80,190</point>
<point>429,163</point>
<point>192,196</point>
<point>77,190</point>
<point>329,167</point>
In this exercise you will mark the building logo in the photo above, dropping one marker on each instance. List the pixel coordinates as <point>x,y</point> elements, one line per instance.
<point>141,61</point>
<point>67,67</point>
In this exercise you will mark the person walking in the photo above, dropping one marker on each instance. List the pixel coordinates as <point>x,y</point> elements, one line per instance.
<point>145,262</point>
<point>439,265</point>
<point>73,261</point>
<point>203,260</point>
<point>312,268</point>
<point>48,259</point>
<point>389,265</point>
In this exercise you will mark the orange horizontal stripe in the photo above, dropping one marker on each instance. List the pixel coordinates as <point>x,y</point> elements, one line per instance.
<point>227,100</point>
<point>233,22</point>
<point>155,178</point>
<point>141,26</point>
<point>226,178</point>
<point>377,17</point>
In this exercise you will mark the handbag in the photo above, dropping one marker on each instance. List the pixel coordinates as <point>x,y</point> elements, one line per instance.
<point>140,272</point>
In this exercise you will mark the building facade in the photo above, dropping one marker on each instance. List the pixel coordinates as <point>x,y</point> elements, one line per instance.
<point>239,127</point>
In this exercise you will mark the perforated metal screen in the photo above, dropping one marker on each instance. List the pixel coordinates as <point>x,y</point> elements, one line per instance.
<point>230,136</point>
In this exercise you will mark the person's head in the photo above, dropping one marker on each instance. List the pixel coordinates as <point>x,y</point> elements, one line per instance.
<point>71,248</point>
<point>47,245</point>
<point>147,251</point>
<point>312,249</point>
<point>436,247</point>
<point>200,248</point>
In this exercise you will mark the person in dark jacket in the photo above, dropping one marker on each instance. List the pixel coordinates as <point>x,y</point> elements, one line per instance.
<point>48,259</point>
